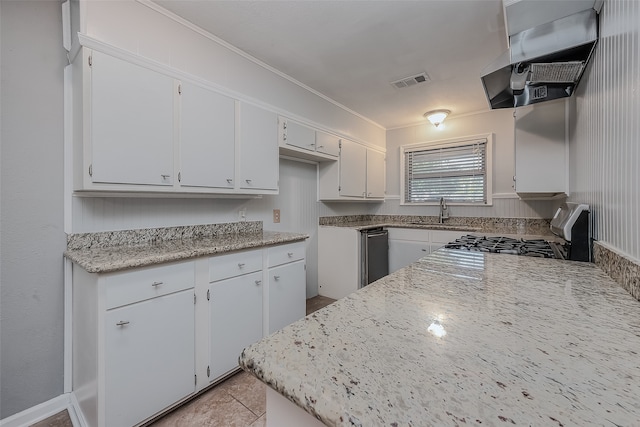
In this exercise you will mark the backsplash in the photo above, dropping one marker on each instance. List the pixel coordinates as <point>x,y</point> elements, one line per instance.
<point>148,236</point>
<point>622,269</point>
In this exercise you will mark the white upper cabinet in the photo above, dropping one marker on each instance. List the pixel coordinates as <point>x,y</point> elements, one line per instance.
<point>375,174</point>
<point>541,162</point>
<point>207,138</point>
<point>258,148</point>
<point>131,123</point>
<point>138,128</point>
<point>298,140</point>
<point>353,169</point>
<point>359,174</point>
<point>327,144</point>
<point>298,135</point>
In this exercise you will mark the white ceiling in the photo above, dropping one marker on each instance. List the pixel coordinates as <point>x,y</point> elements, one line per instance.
<point>350,51</point>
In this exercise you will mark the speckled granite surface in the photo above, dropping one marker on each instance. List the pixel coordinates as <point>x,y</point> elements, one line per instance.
<point>529,342</point>
<point>621,268</point>
<point>529,226</point>
<point>96,257</point>
<point>144,236</point>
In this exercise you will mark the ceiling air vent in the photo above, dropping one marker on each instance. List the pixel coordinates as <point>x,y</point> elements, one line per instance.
<point>411,81</point>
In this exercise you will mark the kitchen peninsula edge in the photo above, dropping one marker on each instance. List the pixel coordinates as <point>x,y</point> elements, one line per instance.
<point>464,337</point>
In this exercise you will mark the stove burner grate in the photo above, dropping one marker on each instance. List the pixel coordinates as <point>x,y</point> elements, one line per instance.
<point>505,245</point>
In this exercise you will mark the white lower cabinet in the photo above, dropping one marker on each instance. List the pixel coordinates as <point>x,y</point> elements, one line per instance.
<point>404,252</point>
<point>287,293</point>
<point>287,285</point>
<point>407,245</point>
<point>133,342</point>
<point>149,357</point>
<point>147,338</point>
<point>235,311</point>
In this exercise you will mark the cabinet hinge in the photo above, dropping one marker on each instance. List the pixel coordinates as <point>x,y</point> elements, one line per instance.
<point>179,89</point>
<point>90,170</point>
<point>90,60</point>
<point>208,295</point>
<point>208,371</point>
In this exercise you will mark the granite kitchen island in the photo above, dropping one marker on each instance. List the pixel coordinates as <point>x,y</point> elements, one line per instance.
<point>464,338</point>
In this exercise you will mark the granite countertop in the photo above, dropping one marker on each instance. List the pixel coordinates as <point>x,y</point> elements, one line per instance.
<point>527,341</point>
<point>120,257</point>
<point>365,225</point>
<point>518,227</point>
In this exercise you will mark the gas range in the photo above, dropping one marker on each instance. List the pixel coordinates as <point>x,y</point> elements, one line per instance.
<point>570,223</point>
<point>507,245</point>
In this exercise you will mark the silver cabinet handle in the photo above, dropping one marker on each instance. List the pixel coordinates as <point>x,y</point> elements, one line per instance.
<point>320,146</point>
<point>154,284</point>
<point>241,265</point>
<point>423,250</point>
<point>311,145</point>
<point>258,282</point>
<point>229,180</point>
<point>164,176</point>
<point>122,323</point>
<point>290,254</point>
<point>276,277</point>
<point>248,181</point>
<point>284,136</point>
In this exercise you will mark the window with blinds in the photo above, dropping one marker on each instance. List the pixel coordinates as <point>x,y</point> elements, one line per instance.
<point>456,171</point>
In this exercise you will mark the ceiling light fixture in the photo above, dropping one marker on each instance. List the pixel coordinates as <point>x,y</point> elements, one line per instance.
<point>436,117</point>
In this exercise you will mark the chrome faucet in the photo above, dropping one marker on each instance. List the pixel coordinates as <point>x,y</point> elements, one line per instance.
<point>444,211</point>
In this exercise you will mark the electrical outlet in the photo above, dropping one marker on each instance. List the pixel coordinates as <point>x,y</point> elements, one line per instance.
<point>242,215</point>
<point>276,216</point>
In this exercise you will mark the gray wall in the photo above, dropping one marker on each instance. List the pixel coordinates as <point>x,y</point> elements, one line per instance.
<point>32,238</point>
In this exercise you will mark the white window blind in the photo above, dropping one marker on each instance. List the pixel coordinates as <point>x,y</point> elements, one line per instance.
<point>456,172</point>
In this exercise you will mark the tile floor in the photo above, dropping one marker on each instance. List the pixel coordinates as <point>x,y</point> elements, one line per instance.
<point>236,402</point>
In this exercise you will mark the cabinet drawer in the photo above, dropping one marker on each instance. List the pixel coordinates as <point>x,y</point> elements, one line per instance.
<point>445,236</point>
<point>413,234</point>
<point>235,264</point>
<point>286,253</point>
<point>145,283</point>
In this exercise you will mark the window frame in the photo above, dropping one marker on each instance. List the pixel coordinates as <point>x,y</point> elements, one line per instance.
<point>446,143</point>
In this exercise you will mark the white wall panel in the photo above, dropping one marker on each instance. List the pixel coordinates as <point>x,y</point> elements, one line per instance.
<point>605,130</point>
<point>506,204</point>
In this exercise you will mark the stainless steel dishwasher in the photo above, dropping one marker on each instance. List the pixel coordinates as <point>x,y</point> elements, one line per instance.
<point>374,255</point>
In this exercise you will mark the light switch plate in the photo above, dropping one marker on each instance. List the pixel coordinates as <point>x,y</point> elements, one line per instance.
<point>276,216</point>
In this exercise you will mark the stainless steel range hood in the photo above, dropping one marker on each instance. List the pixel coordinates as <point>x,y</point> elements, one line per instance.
<point>543,63</point>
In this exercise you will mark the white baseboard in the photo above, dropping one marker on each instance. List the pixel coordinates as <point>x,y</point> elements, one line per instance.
<point>43,411</point>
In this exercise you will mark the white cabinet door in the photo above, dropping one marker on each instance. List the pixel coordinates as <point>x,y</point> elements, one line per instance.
<point>207,138</point>
<point>353,169</point>
<point>287,295</point>
<point>404,252</point>
<point>131,123</point>
<point>149,357</point>
<point>327,144</point>
<point>258,148</point>
<point>298,135</point>
<point>375,174</point>
<point>236,320</point>
<point>541,151</point>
